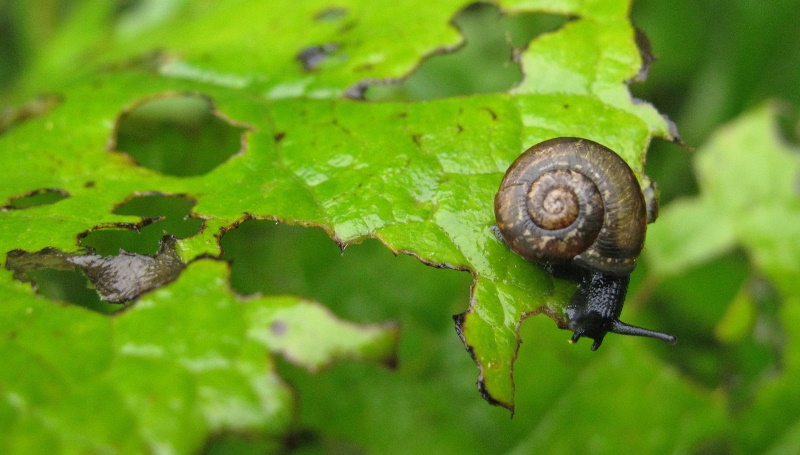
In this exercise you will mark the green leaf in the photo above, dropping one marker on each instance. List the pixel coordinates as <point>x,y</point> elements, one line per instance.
<point>685,235</point>
<point>748,180</point>
<point>623,375</point>
<point>188,360</point>
<point>419,176</point>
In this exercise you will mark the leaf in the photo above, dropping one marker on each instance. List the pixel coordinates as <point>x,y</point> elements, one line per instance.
<point>748,180</point>
<point>420,177</point>
<point>117,279</point>
<point>186,361</point>
<point>613,383</point>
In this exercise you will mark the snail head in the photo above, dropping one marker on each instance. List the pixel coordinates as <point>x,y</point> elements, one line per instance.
<point>595,308</point>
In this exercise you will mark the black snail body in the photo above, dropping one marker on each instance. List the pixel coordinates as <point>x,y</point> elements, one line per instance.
<point>575,207</point>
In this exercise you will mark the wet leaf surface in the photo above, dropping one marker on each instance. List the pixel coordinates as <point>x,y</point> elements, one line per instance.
<point>418,176</point>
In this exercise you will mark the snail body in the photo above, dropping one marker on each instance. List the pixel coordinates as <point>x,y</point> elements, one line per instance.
<point>576,207</point>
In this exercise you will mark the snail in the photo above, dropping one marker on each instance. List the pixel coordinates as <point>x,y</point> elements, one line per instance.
<point>575,207</point>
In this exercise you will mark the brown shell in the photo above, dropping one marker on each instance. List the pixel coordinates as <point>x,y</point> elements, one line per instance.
<point>573,199</point>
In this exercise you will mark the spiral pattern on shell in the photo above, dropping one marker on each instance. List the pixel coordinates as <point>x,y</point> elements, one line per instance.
<point>573,199</point>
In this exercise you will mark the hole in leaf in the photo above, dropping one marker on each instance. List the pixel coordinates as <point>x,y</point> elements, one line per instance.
<point>172,215</point>
<point>491,42</point>
<point>364,283</point>
<point>667,162</point>
<point>53,277</point>
<point>70,286</point>
<point>178,135</point>
<point>117,279</point>
<point>45,196</point>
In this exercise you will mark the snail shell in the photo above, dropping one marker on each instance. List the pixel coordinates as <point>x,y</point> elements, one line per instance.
<point>576,206</point>
<point>572,199</point>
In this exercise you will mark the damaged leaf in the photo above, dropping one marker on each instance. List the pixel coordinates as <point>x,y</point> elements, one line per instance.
<point>400,172</point>
<point>300,331</point>
<point>207,353</point>
<point>127,276</point>
<point>418,176</point>
<point>117,279</point>
<point>35,198</point>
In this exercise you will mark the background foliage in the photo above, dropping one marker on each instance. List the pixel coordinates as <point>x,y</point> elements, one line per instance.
<point>719,267</point>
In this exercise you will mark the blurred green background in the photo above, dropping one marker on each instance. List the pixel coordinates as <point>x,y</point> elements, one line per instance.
<point>715,60</point>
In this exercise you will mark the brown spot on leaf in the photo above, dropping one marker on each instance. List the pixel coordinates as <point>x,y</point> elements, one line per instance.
<point>278,328</point>
<point>180,134</point>
<point>312,57</point>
